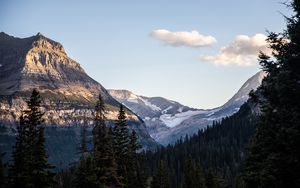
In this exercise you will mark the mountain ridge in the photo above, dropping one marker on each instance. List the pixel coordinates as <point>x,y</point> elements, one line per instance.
<point>167,126</point>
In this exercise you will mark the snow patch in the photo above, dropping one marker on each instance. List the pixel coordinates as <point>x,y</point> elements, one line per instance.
<point>237,99</point>
<point>180,109</point>
<point>133,101</point>
<point>236,109</point>
<point>172,121</point>
<point>147,118</point>
<point>152,106</point>
<point>246,86</point>
<point>166,110</point>
<point>136,99</point>
<point>210,114</point>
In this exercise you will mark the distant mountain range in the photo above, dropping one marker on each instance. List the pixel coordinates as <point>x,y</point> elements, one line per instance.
<point>167,120</point>
<point>68,93</point>
<point>69,96</point>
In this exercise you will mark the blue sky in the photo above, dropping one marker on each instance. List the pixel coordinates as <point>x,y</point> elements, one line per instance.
<point>147,46</point>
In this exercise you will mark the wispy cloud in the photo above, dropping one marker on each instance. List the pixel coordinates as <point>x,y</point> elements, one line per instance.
<point>243,51</point>
<point>183,38</point>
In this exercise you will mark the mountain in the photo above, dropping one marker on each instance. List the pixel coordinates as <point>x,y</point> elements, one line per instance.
<point>68,93</point>
<point>167,120</point>
<point>150,109</point>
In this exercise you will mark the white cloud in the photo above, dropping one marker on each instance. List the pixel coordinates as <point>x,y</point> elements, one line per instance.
<point>183,38</point>
<point>243,51</point>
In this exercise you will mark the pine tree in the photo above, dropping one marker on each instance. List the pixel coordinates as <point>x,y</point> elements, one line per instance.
<point>103,154</point>
<point>200,177</point>
<point>17,174</point>
<point>43,177</point>
<point>83,140</point>
<point>136,174</point>
<point>211,179</point>
<point>85,176</point>
<point>2,171</point>
<point>30,166</point>
<point>161,179</point>
<point>274,151</point>
<point>133,146</point>
<point>193,175</point>
<point>121,144</point>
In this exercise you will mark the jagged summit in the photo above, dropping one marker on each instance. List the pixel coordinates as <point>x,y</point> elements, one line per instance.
<point>39,62</point>
<point>41,41</point>
<point>38,40</point>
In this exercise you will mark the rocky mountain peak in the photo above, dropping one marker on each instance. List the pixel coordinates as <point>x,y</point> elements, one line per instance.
<point>242,95</point>
<point>39,62</point>
<point>42,42</point>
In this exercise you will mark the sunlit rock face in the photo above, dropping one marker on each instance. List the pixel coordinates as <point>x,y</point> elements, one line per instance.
<point>68,93</point>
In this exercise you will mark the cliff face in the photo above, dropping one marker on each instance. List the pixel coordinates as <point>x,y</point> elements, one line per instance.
<point>68,93</point>
<point>39,62</point>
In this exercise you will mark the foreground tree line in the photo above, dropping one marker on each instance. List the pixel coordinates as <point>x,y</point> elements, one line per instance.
<point>113,161</point>
<point>209,159</point>
<point>216,157</point>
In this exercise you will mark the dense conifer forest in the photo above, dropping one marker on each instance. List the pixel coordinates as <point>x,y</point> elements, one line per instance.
<point>214,154</point>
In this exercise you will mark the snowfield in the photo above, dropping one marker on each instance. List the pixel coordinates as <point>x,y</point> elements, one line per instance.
<point>174,120</point>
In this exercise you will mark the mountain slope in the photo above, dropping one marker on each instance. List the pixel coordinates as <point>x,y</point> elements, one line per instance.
<point>39,62</point>
<point>168,120</point>
<point>68,93</point>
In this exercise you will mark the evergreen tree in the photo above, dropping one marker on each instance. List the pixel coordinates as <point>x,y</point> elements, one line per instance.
<point>133,146</point>
<point>211,180</point>
<point>2,171</point>
<point>17,174</point>
<point>161,179</point>
<point>193,175</point>
<point>30,167</point>
<point>103,154</point>
<point>274,152</point>
<point>121,144</point>
<point>136,174</point>
<point>85,176</point>
<point>83,140</point>
<point>41,173</point>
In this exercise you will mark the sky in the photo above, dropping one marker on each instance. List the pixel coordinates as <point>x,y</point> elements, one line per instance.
<point>196,52</point>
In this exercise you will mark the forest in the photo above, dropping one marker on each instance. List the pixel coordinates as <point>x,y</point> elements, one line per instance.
<point>257,147</point>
